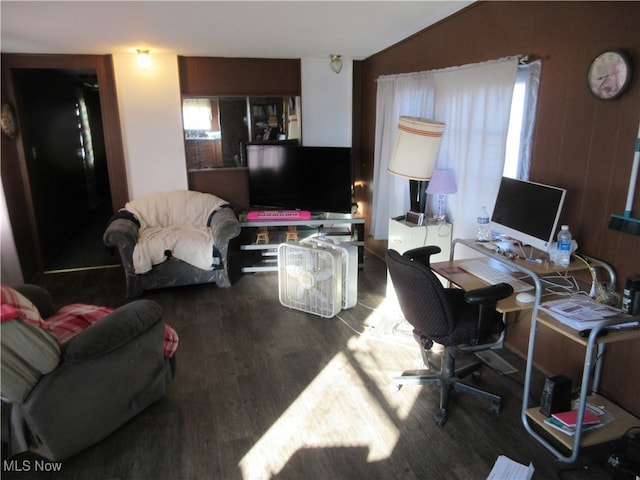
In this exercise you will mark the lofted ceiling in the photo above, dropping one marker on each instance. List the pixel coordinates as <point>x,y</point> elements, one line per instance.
<point>254,29</point>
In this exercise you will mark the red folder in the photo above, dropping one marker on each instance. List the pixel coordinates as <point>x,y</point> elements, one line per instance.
<point>570,418</point>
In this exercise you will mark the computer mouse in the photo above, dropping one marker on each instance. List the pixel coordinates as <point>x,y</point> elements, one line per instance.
<point>525,297</point>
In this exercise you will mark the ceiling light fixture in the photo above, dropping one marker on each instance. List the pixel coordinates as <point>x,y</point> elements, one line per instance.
<point>144,59</point>
<point>336,63</point>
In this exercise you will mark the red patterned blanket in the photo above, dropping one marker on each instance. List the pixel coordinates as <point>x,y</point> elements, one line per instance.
<point>68,321</point>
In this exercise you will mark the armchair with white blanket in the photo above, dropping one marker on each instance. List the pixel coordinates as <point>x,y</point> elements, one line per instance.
<point>174,238</point>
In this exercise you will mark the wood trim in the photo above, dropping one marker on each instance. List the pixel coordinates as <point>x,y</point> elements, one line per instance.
<point>113,134</point>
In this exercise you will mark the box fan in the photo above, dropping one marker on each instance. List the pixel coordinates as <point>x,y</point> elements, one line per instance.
<point>317,276</point>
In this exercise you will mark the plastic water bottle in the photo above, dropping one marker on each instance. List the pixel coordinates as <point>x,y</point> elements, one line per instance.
<point>484,227</point>
<point>564,247</point>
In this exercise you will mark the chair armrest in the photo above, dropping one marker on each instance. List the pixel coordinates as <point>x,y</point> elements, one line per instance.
<point>488,295</point>
<point>422,254</point>
<point>224,225</point>
<point>120,233</point>
<point>40,297</point>
<point>108,373</point>
<point>487,299</point>
<point>113,331</point>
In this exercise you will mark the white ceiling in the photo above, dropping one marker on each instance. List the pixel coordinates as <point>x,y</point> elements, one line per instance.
<point>260,29</point>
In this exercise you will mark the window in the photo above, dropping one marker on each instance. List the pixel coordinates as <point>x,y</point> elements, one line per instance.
<point>512,155</point>
<point>196,114</point>
<point>523,106</point>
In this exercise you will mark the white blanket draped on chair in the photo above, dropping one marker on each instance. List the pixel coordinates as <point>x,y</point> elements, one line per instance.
<point>174,222</point>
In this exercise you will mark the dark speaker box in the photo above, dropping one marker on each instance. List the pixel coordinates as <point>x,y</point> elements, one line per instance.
<point>556,395</point>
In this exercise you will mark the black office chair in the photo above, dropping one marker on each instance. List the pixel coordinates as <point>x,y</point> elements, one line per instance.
<point>462,322</point>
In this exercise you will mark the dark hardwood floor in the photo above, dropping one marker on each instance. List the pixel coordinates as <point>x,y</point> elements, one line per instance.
<point>265,392</point>
<point>84,248</point>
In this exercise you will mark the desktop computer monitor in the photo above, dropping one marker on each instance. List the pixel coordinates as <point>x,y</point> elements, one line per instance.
<point>527,212</point>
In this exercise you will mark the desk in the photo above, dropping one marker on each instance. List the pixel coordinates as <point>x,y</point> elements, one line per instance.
<point>595,348</point>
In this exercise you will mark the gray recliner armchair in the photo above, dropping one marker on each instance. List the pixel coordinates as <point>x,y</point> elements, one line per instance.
<point>64,398</point>
<point>169,239</point>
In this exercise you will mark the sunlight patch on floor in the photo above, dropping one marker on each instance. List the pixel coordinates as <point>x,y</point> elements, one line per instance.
<point>348,404</point>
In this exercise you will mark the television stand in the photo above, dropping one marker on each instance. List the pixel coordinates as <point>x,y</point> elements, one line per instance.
<point>263,257</point>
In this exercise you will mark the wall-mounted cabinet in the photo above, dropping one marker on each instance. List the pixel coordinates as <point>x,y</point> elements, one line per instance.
<point>215,128</point>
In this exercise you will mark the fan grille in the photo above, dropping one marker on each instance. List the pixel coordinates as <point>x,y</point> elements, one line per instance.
<point>309,279</point>
<point>349,268</point>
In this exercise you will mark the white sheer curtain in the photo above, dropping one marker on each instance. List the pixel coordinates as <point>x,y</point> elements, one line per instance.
<point>412,95</point>
<point>474,101</point>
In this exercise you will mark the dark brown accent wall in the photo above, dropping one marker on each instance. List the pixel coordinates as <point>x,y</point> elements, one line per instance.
<point>221,76</point>
<point>580,143</point>
<point>232,184</point>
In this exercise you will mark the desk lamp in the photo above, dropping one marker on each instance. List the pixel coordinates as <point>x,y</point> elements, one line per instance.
<point>414,155</point>
<point>442,183</point>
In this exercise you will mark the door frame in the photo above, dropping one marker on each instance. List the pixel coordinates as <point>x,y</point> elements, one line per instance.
<point>15,179</point>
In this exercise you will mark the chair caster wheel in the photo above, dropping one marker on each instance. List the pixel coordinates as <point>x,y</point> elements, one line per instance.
<point>441,418</point>
<point>496,407</point>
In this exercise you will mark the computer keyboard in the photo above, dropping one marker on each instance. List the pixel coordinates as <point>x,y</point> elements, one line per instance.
<point>489,274</point>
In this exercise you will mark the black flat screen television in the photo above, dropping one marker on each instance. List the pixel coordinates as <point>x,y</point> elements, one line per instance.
<point>294,177</point>
<point>528,212</point>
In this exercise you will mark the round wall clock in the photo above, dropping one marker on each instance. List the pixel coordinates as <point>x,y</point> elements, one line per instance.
<point>609,74</point>
<point>8,121</point>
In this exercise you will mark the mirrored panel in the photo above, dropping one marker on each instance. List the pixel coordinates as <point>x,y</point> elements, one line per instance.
<point>215,128</point>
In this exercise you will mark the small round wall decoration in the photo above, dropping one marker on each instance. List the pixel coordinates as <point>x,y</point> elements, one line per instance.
<point>609,74</point>
<point>8,121</point>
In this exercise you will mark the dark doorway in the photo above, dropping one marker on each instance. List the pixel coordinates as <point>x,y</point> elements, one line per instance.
<point>16,152</point>
<point>66,164</point>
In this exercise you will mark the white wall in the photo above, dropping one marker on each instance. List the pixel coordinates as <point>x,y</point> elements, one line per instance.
<point>326,103</point>
<point>10,272</point>
<point>150,114</point>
